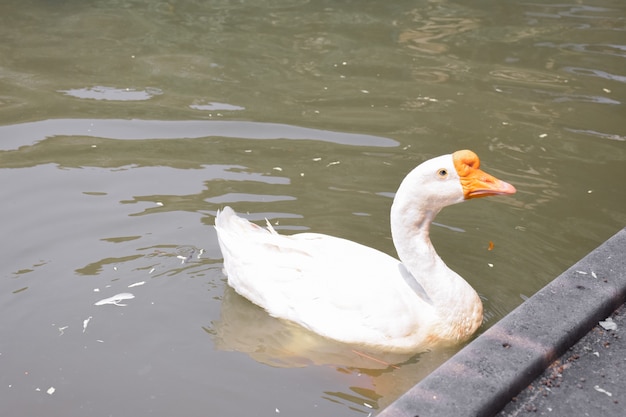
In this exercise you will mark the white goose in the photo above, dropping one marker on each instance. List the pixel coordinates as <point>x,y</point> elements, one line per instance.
<point>355,294</point>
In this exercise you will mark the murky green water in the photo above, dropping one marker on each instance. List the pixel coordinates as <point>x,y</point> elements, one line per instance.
<point>124,126</point>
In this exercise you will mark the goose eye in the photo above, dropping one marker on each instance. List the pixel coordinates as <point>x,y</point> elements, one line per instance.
<point>443,173</point>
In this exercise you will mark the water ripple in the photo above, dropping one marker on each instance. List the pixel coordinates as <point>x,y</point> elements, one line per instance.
<point>599,48</point>
<point>610,136</point>
<point>23,134</point>
<point>596,73</point>
<point>112,93</point>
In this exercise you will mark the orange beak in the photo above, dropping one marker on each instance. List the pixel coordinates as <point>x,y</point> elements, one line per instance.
<point>475,182</point>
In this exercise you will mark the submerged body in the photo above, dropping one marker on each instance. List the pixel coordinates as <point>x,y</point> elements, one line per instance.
<point>355,294</point>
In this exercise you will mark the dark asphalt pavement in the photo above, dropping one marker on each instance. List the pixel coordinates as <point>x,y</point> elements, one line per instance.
<point>588,380</point>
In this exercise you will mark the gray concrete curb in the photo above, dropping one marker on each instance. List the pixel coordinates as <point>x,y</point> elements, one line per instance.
<point>483,377</point>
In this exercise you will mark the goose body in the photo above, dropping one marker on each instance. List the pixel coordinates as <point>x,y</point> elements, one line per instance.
<point>356,294</point>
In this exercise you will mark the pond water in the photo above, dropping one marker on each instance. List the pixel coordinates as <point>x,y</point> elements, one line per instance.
<point>125,125</point>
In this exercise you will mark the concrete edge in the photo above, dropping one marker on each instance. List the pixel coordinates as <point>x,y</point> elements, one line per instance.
<point>483,377</point>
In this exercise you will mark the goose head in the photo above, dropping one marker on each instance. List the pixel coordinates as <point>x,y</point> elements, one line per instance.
<point>447,180</point>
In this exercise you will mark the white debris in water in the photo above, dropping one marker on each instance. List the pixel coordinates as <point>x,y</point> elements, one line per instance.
<point>333,163</point>
<point>200,253</point>
<point>62,330</point>
<point>86,323</point>
<point>182,258</point>
<point>543,135</point>
<point>581,272</point>
<point>593,274</point>
<point>50,390</point>
<point>277,169</point>
<point>317,159</point>
<point>490,265</point>
<point>152,270</point>
<point>96,290</point>
<point>115,300</point>
<point>158,203</point>
<point>136,284</point>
